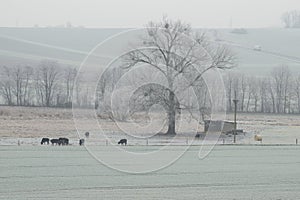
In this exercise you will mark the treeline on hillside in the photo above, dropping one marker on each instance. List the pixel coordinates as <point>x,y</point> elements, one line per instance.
<point>291,19</point>
<point>48,84</point>
<point>278,92</point>
<point>51,85</point>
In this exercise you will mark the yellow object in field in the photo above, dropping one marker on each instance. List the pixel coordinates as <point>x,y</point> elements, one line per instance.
<point>258,138</point>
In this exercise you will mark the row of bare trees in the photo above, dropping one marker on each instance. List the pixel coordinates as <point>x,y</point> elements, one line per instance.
<point>51,85</point>
<point>279,92</point>
<point>48,84</point>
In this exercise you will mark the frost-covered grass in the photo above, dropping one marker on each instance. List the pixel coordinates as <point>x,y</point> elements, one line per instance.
<point>229,172</point>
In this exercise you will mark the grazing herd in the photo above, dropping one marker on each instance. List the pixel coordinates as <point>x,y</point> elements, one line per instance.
<point>65,141</point>
<point>59,141</point>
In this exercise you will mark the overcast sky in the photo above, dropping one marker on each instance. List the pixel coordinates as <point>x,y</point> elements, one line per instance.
<point>136,13</point>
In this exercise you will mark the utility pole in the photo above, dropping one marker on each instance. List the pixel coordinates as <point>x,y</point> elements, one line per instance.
<point>235,101</point>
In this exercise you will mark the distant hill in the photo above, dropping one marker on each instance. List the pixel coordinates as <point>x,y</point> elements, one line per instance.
<point>71,45</point>
<point>30,45</point>
<point>278,46</point>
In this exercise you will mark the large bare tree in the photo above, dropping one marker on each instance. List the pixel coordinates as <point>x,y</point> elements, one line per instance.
<point>297,91</point>
<point>21,77</point>
<point>291,19</point>
<point>47,78</point>
<point>281,76</point>
<point>175,51</point>
<point>69,81</point>
<point>6,85</point>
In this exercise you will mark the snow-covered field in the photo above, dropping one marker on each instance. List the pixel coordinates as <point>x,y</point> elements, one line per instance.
<point>229,172</point>
<point>32,171</point>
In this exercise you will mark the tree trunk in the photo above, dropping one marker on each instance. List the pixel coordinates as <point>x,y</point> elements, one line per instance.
<point>255,105</point>
<point>243,100</point>
<point>171,115</point>
<point>273,102</point>
<point>229,99</point>
<point>262,108</point>
<point>248,103</point>
<point>298,98</point>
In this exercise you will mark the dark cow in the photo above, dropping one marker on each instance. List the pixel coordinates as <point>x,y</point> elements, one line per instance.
<point>63,141</point>
<point>81,142</point>
<point>123,141</point>
<point>55,141</point>
<point>87,134</point>
<point>44,141</point>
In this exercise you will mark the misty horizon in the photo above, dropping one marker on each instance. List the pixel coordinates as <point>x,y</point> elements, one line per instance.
<point>132,14</point>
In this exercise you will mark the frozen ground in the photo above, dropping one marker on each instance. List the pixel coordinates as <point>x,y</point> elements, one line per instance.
<point>29,125</point>
<point>32,171</point>
<point>229,172</point>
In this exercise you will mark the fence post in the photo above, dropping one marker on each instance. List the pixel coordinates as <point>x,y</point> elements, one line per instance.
<point>296,141</point>
<point>147,142</point>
